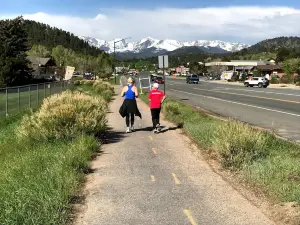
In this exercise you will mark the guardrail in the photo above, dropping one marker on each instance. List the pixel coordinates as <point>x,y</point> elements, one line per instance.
<point>16,99</point>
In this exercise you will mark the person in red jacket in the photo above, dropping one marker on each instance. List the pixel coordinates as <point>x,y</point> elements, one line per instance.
<point>156,98</point>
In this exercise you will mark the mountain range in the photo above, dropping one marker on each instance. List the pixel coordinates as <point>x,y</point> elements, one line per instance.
<point>149,47</point>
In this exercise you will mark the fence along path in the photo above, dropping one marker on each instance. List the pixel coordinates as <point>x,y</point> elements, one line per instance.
<point>16,99</point>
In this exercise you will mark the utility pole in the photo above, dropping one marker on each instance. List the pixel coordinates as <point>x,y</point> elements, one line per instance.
<point>115,71</point>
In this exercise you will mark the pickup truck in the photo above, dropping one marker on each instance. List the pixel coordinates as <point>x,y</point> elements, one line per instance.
<point>193,79</point>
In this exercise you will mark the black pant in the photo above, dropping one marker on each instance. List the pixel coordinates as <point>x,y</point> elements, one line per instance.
<point>131,115</point>
<point>155,116</point>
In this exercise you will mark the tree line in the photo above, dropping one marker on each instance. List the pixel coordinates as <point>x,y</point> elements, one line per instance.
<point>20,38</point>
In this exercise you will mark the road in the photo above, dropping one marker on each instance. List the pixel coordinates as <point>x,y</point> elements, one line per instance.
<point>270,108</point>
<point>143,179</point>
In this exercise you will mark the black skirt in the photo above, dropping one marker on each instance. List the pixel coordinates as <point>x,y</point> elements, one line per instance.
<point>129,106</point>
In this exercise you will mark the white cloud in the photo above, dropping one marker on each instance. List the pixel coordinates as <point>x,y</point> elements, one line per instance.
<point>245,24</point>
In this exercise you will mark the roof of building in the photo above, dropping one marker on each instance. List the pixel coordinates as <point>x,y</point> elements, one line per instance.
<point>35,60</point>
<point>268,67</point>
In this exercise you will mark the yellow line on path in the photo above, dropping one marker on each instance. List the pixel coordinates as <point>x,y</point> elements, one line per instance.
<point>152,178</point>
<point>189,215</point>
<point>154,151</point>
<point>151,138</point>
<point>231,93</point>
<point>176,180</point>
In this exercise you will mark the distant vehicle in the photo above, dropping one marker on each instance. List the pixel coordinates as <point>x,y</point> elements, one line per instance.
<point>153,77</point>
<point>193,79</point>
<point>256,81</point>
<point>159,80</point>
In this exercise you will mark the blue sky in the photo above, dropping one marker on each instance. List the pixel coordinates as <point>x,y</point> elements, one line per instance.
<point>184,20</point>
<point>91,7</point>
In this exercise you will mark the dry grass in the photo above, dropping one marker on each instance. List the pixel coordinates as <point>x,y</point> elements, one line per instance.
<point>65,116</point>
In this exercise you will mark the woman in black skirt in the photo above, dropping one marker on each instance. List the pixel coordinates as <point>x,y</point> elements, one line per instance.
<point>129,107</point>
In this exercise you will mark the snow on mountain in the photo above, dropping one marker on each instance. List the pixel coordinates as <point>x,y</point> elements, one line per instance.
<point>167,44</point>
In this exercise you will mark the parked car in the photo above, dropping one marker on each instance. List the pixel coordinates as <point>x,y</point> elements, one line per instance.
<point>159,80</point>
<point>257,81</point>
<point>193,79</point>
<point>153,77</point>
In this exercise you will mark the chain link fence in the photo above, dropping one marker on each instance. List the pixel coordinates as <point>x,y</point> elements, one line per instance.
<point>16,99</point>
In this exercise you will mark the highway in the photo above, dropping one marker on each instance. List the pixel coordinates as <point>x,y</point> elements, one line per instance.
<point>274,109</point>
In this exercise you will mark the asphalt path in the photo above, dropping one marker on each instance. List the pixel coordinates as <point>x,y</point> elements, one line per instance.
<point>275,109</point>
<point>141,178</point>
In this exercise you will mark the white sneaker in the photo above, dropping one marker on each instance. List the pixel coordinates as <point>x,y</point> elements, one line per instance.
<point>158,128</point>
<point>128,130</point>
<point>132,129</point>
<point>154,130</point>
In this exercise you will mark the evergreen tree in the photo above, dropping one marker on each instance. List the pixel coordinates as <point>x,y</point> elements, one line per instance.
<point>14,68</point>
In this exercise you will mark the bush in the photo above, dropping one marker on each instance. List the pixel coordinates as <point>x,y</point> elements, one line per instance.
<point>274,80</point>
<point>298,83</point>
<point>65,116</point>
<point>172,111</point>
<point>77,82</point>
<point>286,79</point>
<point>239,144</point>
<point>107,95</point>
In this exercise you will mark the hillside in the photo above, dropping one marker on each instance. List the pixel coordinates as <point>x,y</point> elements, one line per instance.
<point>274,45</point>
<point>50,37</point>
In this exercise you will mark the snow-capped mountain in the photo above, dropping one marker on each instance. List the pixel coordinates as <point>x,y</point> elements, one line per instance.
<point>158,45</point>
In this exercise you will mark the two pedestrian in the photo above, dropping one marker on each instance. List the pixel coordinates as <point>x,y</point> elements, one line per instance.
<point>156,98</point>
<point>129,107</point>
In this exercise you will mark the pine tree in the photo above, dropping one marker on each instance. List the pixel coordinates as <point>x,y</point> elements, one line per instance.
<point>14,68</point>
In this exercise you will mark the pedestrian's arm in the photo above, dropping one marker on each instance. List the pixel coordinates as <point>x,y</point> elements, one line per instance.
<point>163,98</point>
<point>136,92</point>
<point>123,92</point>
<point>149,97</point>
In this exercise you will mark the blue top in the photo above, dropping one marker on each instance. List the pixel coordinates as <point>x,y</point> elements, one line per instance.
<point>129,94</point>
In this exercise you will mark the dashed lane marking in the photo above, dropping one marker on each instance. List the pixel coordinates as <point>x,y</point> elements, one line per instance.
<point>189,215</point>
<point>176,180</point>
<point>152,178</point>
<point>154,151</point>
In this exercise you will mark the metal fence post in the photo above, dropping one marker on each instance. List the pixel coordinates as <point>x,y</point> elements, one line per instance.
<point>37,93</point>
<point>29,96</point>
<point>6,102</point>
<point>50,88</point>
<point>19,100</point>
<point>44,90</point>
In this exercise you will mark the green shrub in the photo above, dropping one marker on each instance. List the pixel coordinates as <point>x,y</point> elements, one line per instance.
<point>274,80</point>
<point>107,95</point>
<point>172,111</point>
<point>65,116</point>
<point>77,82</point>
<point>239,144</point>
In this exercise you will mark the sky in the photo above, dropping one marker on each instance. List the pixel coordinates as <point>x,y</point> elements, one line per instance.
<point>183,20</point>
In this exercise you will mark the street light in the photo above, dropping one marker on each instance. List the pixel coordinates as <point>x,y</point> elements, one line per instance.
<point>115,71</point>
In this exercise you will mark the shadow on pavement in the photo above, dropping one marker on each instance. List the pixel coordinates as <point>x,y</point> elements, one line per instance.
<point>111,136</point>
<point>168,129</point>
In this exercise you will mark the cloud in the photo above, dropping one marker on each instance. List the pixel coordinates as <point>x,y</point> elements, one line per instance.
<point>240,24</point>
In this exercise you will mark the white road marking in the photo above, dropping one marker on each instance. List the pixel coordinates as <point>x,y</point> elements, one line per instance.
<point>267,92</point>
<point>238,103</point>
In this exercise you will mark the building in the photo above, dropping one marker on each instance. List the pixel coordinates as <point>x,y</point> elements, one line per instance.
<point>241,65</point>
<point>272,70</point>
<point>42,66</point>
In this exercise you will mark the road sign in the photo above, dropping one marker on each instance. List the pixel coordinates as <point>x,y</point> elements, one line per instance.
<point>163,61</point>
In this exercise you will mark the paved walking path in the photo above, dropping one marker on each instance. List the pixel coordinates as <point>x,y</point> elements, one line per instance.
<point>145,178</point>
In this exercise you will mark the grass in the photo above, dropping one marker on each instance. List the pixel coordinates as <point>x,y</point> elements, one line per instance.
<point>25,99</point>
<point>39,180</point>
<point>112,81</point>
<point>263,160</point>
